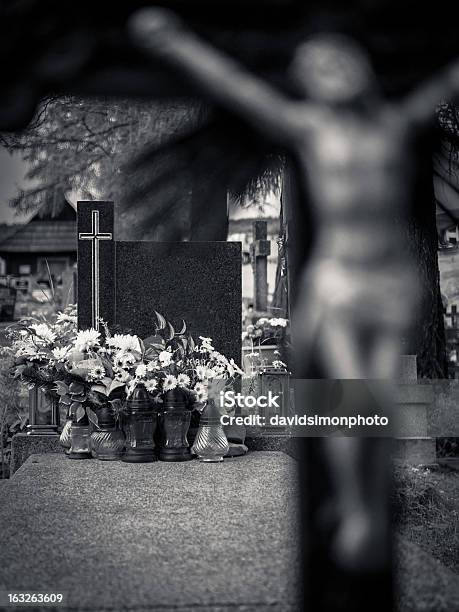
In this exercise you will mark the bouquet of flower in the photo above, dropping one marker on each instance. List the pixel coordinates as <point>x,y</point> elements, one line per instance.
<point>89,368</point>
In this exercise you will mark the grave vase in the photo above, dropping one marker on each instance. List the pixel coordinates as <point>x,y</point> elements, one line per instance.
<point>79,439</point>
<point>107,440</point>
<point>174,421</point>
<point>211,443</point>
<point>139,427</point>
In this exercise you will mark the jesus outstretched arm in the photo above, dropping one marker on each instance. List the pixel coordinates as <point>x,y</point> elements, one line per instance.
<point>419,107</point>
<point>160,34</point>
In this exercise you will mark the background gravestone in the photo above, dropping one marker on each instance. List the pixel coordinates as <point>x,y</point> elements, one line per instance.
<point>125,282</point>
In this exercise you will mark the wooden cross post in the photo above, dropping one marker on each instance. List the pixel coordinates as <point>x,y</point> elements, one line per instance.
<point>260,249</point>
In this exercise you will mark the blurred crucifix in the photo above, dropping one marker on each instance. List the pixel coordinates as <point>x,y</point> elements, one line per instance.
<point>358,290</point>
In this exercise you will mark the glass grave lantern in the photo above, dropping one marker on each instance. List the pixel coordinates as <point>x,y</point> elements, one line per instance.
<point>139,427</point>
<point>79,439</point>
<point>43,411</point>
<point>174,419</point>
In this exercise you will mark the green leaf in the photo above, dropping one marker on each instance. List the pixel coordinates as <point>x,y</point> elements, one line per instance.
<point>183,330</point>
<point>80,413</point>
<point>92,416</point>
<point>61,388</point>
<point>116,384</point>
<point>161,320</point>
<point>169,332</point>
<point>66,400</point>
<point>74,406</point>
<point>100,389</point>
<point>76,388</point>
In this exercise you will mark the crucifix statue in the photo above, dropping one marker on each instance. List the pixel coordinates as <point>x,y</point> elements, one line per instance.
<point>358,290</point>
<point>354,149</point>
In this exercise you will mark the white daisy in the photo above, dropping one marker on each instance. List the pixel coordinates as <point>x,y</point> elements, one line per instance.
<point>169,383</point>
<point>152,366</point>
<point>97,372</point>
<point>87,339</point>
<point>122,376</point>
<point>183,380</point>
<point>141,371</point>
<point>150,385</point>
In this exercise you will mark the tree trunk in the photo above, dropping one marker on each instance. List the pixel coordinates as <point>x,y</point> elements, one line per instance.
<point>428,337</point>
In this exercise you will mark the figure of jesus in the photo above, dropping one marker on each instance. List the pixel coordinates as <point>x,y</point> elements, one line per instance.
<point>358,289</point>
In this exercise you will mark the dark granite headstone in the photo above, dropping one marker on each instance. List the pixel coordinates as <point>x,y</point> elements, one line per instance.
<point>199,282</point>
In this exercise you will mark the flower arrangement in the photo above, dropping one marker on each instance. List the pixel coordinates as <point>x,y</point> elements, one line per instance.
<point>264,332</point>
<point>88,368</point>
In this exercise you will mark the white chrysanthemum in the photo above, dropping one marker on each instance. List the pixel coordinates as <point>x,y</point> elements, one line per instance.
<point>125,343</point>
<point>62,317</point>
<point>87,339</point>
<point>165,357</point>
<point>60,353</point>
<point>169,383</point>
<point>183,380</point>
<point>151,385</point>
<point>43,333</point>
<point>152,366</point>
<point>141,371</point>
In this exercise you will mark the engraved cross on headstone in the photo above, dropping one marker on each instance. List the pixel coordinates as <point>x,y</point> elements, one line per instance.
<point>96,263</point>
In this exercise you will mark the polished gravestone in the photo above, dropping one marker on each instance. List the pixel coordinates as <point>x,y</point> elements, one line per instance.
<point>125,282</point>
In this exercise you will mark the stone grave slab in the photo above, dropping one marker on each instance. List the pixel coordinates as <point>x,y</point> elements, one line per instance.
<point>125,282</point>
<point>161,536</point>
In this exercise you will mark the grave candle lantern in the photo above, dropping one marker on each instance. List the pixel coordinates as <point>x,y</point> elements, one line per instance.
<point>43,411</point>
<point>139,427</point>
<point>79,439</point>
<point>175,421</point>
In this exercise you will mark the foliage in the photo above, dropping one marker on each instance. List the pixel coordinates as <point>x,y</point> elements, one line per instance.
<point>13,416</point>
<point>88,370</point>
<point>425,504</point>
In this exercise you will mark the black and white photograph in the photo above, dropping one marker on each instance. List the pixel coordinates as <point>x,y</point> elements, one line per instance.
<point>229,306</point>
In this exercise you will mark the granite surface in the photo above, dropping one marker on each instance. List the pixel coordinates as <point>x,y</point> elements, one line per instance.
<point>200,282</point>
<point>23,445</point>
<point>163,536</point>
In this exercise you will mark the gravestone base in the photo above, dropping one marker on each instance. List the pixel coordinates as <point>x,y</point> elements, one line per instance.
<point>23,445</point>
<point>413,401</point>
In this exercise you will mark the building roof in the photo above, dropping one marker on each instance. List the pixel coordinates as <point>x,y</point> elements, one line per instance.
<point>44,234</point>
